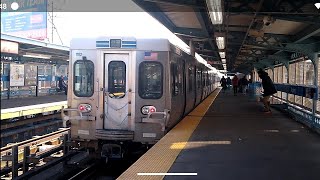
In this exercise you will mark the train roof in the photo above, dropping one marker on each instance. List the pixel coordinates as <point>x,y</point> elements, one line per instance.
<point>121,43</point>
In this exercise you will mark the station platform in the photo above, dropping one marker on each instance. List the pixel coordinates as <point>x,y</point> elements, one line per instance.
<point>17,107</point>
<point>228,137</point>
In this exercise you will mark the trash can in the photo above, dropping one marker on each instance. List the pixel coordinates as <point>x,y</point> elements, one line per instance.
<point>255,91</point>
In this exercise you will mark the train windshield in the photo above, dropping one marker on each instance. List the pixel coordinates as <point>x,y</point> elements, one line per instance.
<point>83,78</point>
<point>117,79</point>
<point>150,80</point>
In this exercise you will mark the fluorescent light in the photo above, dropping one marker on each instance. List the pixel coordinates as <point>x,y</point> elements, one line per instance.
<point>222,55</point>
<point>41,56</point>
<point>220,42</point>
<point>215,11</point>
<point>223,60</point>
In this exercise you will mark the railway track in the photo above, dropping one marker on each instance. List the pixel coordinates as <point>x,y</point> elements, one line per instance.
<point>26,160</point>
<point>86,173</point>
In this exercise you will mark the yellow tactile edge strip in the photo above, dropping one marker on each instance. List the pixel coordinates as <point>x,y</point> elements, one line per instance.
<point>162,155</point>
<point>34,109</point>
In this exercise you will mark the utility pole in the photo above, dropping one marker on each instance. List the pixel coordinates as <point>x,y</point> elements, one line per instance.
<point>52,28</point>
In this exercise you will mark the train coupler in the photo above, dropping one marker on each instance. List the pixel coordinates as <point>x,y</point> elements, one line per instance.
<point>112,151</point>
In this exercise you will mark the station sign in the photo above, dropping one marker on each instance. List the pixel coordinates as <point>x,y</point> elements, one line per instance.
<point>9,47</point>
<point>296,56</point>
<point>29,20</point>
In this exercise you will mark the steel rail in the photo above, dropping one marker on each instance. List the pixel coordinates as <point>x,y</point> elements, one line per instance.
<point>86,172</point>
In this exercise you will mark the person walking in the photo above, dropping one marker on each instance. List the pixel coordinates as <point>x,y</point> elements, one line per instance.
<point>223,83</point>
<point>235,82</point>
<point>268,90</point>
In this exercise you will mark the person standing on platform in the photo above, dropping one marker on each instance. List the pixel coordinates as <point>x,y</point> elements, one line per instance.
<point>240,85</point>
<point>223,83</point>
<point>228,82</point>
<point>235,82</point>
<point>62,85</point>
<point>244,83</point>
<point>268,90</point>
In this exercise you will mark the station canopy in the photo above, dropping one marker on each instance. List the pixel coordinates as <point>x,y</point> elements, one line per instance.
<point>238,35</point>
<point>30,50</point>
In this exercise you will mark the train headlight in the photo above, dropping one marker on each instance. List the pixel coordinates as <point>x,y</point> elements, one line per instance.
<point>148,109</point>
<point>85,107</point>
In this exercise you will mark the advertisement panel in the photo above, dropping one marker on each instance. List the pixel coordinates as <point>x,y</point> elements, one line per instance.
<point>29,20</point>
<point>30,75</point>
<point>16,75</point>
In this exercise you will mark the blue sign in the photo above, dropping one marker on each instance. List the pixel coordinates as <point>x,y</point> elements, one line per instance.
<point>29,20</point>
<point>44,78</point>
<point>304,91</point>
<point>4,78</point>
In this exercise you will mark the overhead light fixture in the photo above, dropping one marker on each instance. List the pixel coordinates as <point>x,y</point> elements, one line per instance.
<point>41,56</point>
<point>220,42</point>
<point>215,11</point>
<point>222,55</point>
<point>223,60</point>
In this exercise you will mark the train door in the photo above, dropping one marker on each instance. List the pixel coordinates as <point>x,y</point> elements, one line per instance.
<point>116,91</point>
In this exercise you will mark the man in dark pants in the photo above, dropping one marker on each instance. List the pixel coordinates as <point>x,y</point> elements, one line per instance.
<point>223,83</point>
<point>62,85</point>
<point>268,89</point>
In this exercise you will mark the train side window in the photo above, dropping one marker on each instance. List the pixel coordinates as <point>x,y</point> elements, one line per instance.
<point>191,78</point>
<point>180,77</point>
<point>174,78</point>
<point>150,80</point>
<point>198,78</point>
<point>117,79</point>
<point>204,78</point>
<point>83,78</point>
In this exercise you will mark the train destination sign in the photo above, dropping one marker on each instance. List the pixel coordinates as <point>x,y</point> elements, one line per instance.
<point>115,43</point>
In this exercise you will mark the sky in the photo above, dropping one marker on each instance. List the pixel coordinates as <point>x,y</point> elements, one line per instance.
<point>92,24</point>
<point>136,23</point>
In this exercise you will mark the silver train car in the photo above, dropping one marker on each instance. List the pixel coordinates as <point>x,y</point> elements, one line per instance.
<point>127,90</point>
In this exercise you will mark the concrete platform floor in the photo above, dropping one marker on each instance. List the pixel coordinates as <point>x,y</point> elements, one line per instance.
<point>235,140</point>
<point>28,101</point>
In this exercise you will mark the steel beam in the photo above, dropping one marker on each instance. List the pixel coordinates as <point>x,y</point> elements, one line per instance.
<point>252,21</point>
<point>190,32</point>
<point>163,18</point>
<point>203,25</point>
<point>190,3</point>
<point>305,48</point>
<point>308,32</point>
<point>298,18</point>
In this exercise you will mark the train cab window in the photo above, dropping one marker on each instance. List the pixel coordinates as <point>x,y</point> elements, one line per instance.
<point>83,78</point>
<point>150,80</point>
<point>117,79</point>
